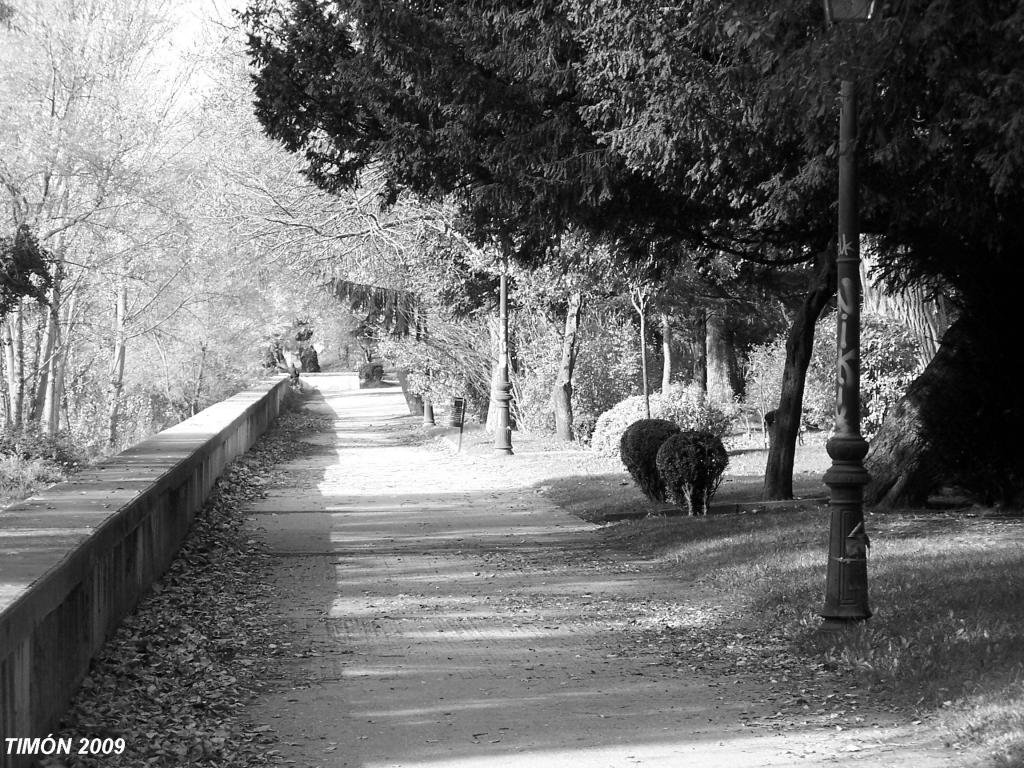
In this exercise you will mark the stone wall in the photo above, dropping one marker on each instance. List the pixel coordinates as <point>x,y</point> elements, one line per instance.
<point>76,558</point>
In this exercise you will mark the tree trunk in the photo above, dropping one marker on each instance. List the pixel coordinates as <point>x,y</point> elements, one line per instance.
<point>958,425</point>
<point>5,402</point>
<point>14,353</point>
<point>561,396</point>
<point>640,299</point>
<point>643,363</point>
<point>494,336</point>
<point>413,401</point>
<point>117,360</point>
<point>197,390</point>
<point>49,351</point>
<point>778,474</point>
<point>720,356</point>
<point>42,347</point>
<point>926,317</point>
<point>666,352</point>
<point>700,348</point>
<point>11,415</point>
<point>50,421</point>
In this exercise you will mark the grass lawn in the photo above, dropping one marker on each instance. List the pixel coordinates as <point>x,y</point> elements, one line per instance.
<point>946,584</point>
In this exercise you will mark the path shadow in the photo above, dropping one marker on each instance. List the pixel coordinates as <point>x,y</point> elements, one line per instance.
<point>462,625</point>
<point>472,627</point>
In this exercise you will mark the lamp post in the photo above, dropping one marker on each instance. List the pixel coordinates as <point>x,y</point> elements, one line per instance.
<point>502,394</point>
<point>846,586</point>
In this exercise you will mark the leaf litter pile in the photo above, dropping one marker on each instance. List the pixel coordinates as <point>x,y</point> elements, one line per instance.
<point>175,677</point>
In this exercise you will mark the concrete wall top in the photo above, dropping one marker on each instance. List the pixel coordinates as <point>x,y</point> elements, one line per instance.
<point>42,532</point>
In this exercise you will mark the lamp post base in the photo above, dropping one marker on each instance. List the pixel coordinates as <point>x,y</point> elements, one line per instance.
<point>502,393</point>
<point>846,585</point>
<point>502,429</point>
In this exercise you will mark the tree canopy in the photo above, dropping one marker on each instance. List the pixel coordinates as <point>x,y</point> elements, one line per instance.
<point>23,269</point>
<point>711,123</point>
<point>476,102</point>
<point>676,130</point>
<point>744,98</point>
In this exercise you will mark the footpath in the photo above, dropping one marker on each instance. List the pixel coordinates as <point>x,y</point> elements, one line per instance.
<point>441,614</point>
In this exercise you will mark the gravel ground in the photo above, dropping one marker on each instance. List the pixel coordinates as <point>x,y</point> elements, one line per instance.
<point>220,655</point>
<point>455,616</point>
<point>173,681</point>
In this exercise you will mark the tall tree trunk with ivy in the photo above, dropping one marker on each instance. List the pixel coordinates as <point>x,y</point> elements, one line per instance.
<point>778,474</point>
<point>44,365</point>
<point>561,395</point>
<point>720,355</point>
<point>40,330</point>
<point>699,350</point>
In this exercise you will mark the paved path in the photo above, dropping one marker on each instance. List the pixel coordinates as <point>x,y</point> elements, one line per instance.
<point>443,616</point>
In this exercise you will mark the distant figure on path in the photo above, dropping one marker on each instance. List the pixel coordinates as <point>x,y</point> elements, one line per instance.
<point>290,352</point>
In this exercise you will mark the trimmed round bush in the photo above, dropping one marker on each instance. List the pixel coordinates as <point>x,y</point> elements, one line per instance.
<point>685,405</point>
<point>639,450</point>
<point>691,466</point>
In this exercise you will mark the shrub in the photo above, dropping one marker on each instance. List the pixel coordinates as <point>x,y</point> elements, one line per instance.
<point>460,368</point>
<point>639,450</point>
<point>888,363</point>
<point>763,379</point>
<point>583,428</point>
<point>370,374</point>
<point>311,361</point>
<point>538,348</point>
<point>30,460</point>
<point>686,405</point>
<point>533,410</point>
<point>607,368</point>
<point>31,444</point>
<point>21,477</point>
<point>691,466</point>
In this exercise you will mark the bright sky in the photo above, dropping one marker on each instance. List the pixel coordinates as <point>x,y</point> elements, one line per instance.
<point>199,26</point>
